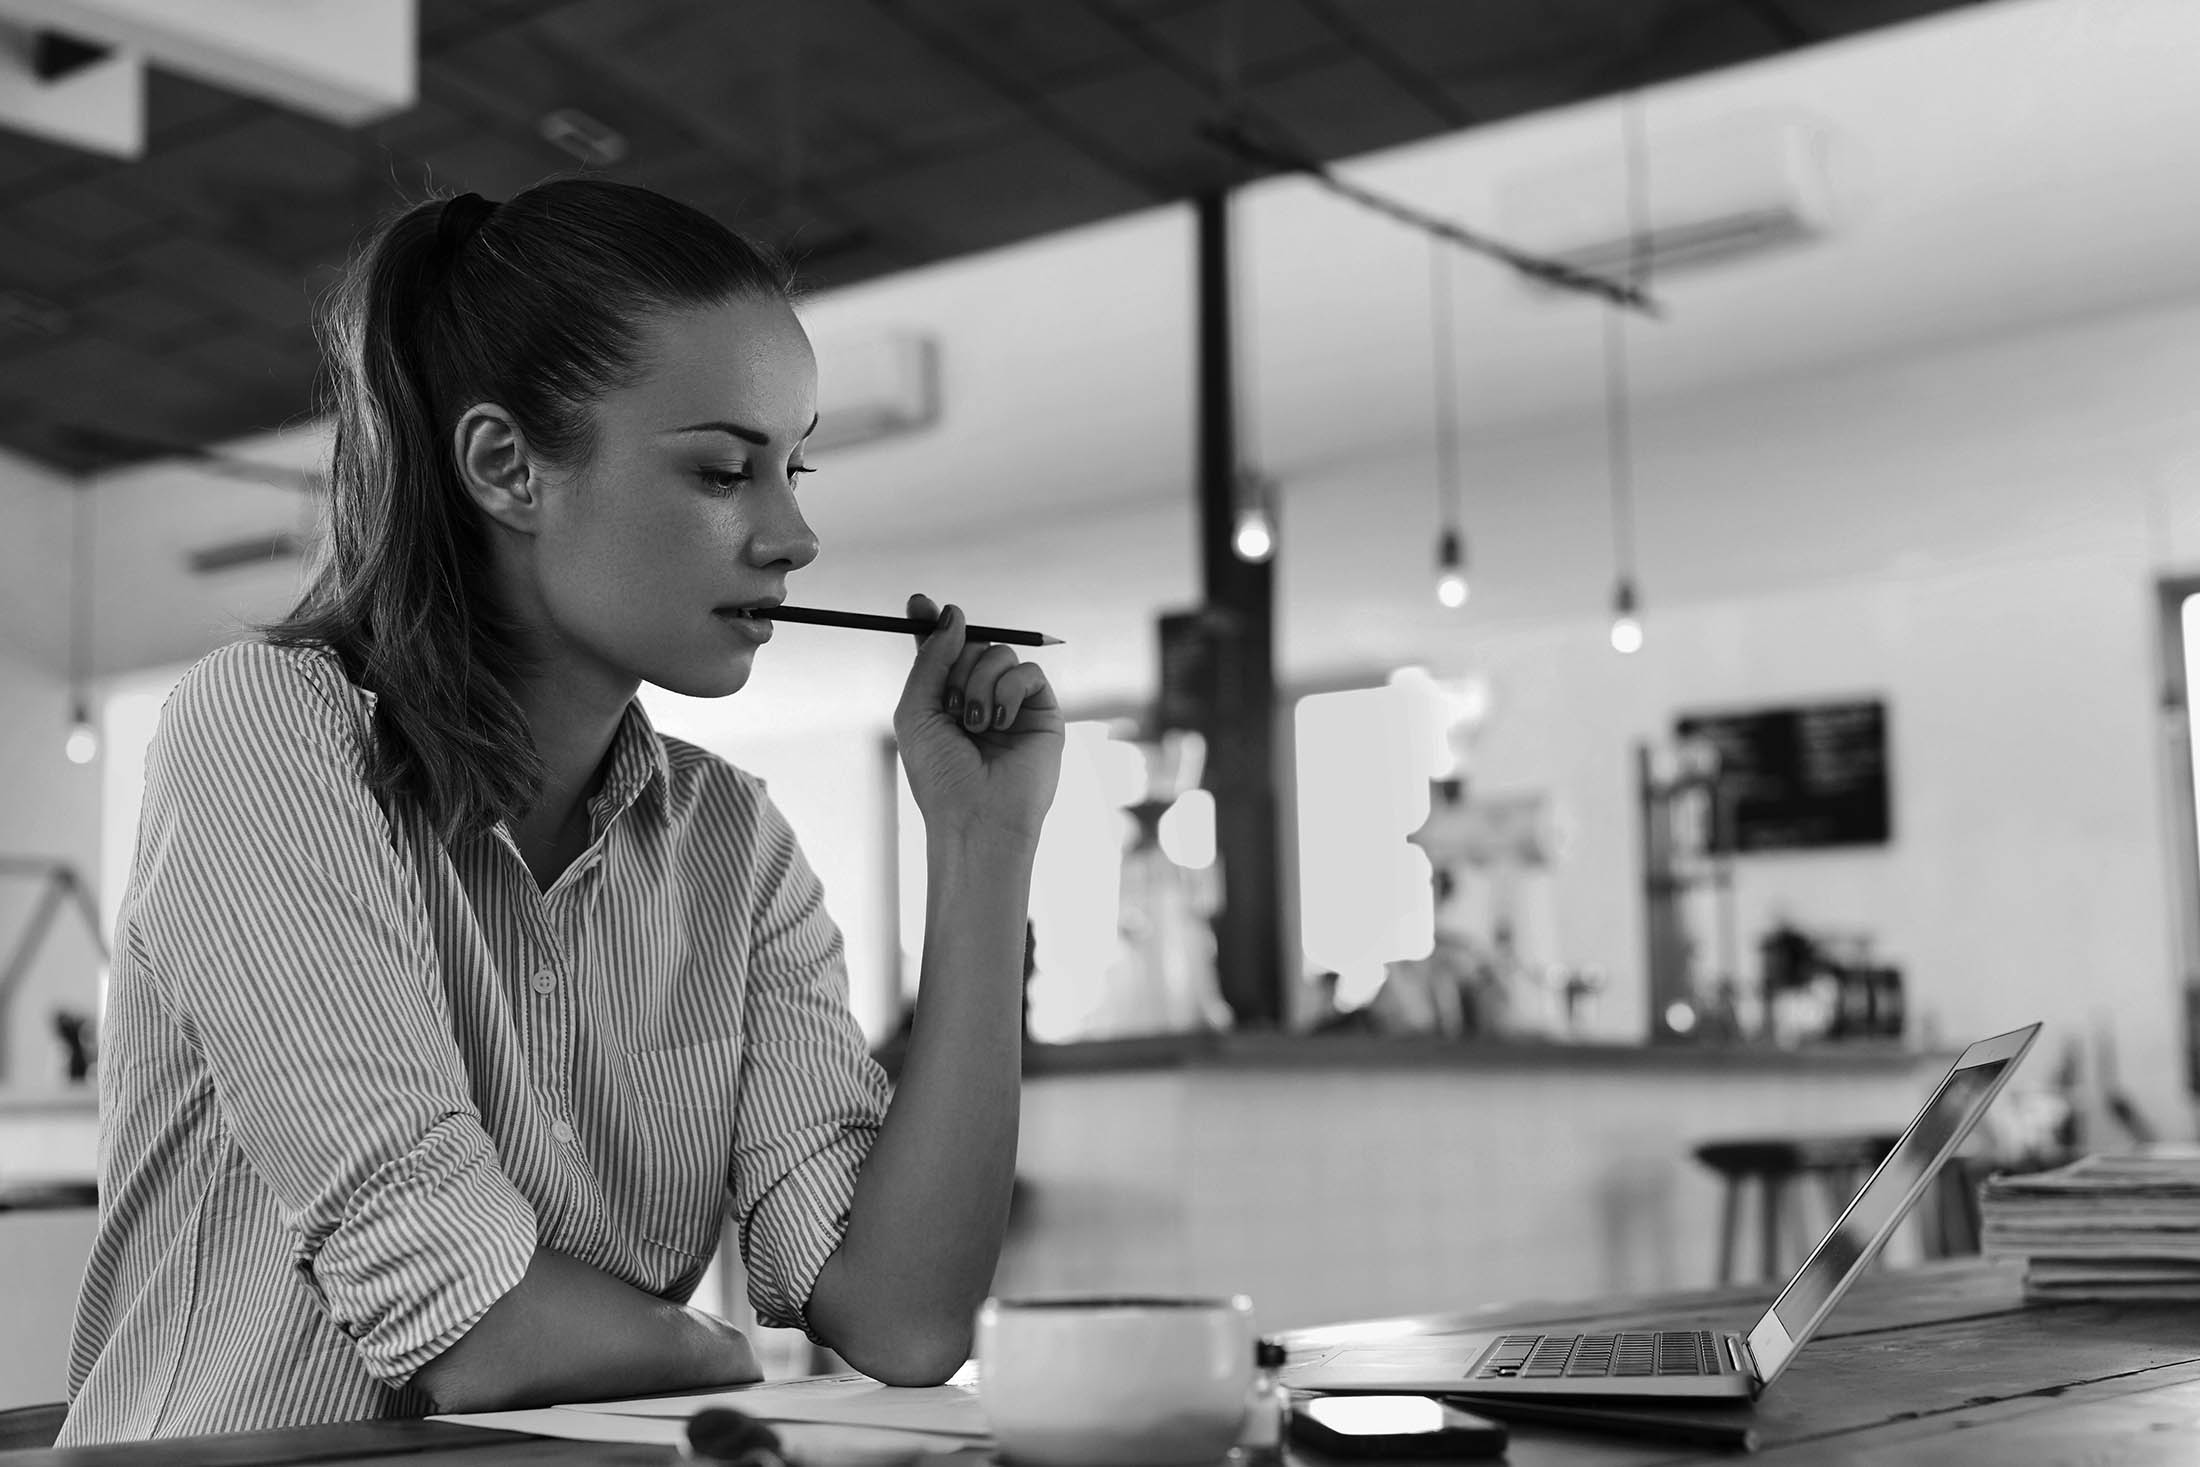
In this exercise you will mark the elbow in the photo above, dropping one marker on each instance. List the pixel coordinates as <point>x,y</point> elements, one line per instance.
<point>458,1390</point>
<point>472,1380</point>
<point>913,1357</point>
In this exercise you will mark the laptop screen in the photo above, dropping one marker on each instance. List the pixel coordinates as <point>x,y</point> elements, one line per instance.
<point>1901,1179</point>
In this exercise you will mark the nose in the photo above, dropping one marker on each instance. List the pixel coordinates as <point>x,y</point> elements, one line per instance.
<point>782,536</point>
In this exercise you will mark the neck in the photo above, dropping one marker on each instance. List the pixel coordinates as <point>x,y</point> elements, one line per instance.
<point>573,721</point>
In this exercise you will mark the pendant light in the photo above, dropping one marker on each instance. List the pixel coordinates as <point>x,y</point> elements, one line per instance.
<point>82,744</point>
<point>1252,525</point>
<point>1627,631</point>
<point>1451,550</point>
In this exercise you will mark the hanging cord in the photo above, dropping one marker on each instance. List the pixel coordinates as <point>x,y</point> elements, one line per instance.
<point>788,104</point>
<point>1618,426</point>
<point>1445,377</point>
<point>1230,58</point>
<point>1287,158</point>
<point>1250,489</point>
<point>81,603</point>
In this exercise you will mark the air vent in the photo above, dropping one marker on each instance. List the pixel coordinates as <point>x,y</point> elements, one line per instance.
<point>873,387</point>
<point>1755,182</point>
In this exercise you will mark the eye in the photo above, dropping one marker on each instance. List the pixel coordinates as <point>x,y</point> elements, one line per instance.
<point>723,481</point>
<point>796,471</point>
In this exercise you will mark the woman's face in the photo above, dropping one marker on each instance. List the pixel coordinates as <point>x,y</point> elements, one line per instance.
<point>687,507</point>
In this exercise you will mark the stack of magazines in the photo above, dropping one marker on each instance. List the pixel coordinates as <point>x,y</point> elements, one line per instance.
<point>2118,1227</point>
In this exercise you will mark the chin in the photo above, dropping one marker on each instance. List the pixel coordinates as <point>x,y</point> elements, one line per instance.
<point>700,681</point>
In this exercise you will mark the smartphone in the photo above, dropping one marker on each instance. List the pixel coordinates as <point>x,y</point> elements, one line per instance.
<point>1392,1426</point>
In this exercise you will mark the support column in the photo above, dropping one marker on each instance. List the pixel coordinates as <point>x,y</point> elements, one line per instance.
<point>1239,611</point>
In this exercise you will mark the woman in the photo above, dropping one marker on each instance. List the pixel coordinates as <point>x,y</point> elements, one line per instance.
<point>452,1004</point>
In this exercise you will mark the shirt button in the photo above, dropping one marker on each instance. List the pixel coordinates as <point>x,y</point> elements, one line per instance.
<point>562,1131</point>
<point>544,980</point>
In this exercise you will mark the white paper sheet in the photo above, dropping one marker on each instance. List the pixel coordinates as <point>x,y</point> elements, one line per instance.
<point>949,1410</point>
<point>577,1426</point>
<point>844,1446</point>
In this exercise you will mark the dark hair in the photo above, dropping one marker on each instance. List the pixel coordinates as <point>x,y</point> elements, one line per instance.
<point>537,305</point>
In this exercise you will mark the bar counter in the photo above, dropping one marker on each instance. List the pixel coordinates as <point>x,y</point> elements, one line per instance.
<point>1258,1050</point>
<point>1333,1175</point>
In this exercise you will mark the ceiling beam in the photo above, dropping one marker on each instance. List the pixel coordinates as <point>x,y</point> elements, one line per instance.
<point>350,61</point>
<point>98,106</point>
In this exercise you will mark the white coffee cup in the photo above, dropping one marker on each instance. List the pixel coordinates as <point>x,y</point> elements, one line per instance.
<point>1109,1380</point>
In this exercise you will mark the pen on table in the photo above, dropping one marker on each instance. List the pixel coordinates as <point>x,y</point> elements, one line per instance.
<point>913,626</point>
<point>720,1434</point>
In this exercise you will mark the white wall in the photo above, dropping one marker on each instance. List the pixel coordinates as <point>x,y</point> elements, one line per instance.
<point>49,808</point>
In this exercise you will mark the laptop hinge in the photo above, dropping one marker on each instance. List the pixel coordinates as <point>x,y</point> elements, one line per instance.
<point>1737,1351</point>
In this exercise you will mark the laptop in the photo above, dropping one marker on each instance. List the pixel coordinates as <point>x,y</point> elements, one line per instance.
<point>1649,1363</point>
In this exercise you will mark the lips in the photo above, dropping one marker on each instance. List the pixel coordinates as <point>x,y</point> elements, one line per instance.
<point>748,609</point>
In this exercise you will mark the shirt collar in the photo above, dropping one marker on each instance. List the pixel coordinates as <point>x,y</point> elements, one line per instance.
<point>638,764</point>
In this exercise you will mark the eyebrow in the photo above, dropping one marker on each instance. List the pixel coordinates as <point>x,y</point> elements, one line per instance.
<point>747,435</point>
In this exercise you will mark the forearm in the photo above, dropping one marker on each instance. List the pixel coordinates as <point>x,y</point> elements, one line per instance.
<point>571,1332</point>
<point>897,1298</point>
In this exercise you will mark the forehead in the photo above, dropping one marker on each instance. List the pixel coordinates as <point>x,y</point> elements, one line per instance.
<point>745,360</point>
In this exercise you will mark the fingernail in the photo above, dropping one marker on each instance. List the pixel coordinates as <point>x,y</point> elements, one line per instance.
<point>975,716</point>
<point>1000,716</point>
<point>954,703</point>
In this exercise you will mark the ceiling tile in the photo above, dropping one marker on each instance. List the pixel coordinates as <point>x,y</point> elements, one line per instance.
<point>959,203</point>
<point>28,163</point>
<point>223,273</point>
<point>32,260</point>
<point>1270,37</point>
<point>1344,107</point>
<point>610,27</point>
<point>1150,118</point>
<point>430,123</point>
<point>1043,43</point>
<point>1427,33</point>
<point>146,315</point>
<point>97,213</point>
<point>859,71</point>
<point>511,79</point>
<point>492,164</point>
<point>178,108</point>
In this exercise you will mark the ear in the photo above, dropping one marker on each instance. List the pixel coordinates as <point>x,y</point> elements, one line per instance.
<point>494,469</point>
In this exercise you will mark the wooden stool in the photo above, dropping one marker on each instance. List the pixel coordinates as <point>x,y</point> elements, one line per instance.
<point>1840,1163</point>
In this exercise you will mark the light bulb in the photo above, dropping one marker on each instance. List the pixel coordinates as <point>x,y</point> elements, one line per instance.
<point>82,745</point>
<point>1451,571</point>
<point>1253,539</point>
<point>1626,625</point>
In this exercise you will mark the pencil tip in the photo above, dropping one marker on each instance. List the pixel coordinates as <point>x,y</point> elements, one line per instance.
<point>1046,641</point>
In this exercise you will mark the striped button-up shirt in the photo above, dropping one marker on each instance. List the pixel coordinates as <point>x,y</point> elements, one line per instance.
<point>352,1077</point>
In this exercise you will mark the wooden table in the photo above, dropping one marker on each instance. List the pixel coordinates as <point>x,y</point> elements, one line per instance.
<point>1941,1365</point>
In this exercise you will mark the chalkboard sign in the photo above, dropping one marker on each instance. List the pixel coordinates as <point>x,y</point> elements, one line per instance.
<point>1800,778</point>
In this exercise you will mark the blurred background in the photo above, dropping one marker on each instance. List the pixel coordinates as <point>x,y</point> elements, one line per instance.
<point>1622,564</point>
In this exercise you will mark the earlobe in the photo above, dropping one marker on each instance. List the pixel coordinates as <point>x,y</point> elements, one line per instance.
<point>493,467</point>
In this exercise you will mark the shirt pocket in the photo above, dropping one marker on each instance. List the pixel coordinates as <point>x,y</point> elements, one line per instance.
<point>685,1130</point>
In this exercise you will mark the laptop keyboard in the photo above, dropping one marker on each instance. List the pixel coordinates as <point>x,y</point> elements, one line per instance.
<point>1628,1354</point>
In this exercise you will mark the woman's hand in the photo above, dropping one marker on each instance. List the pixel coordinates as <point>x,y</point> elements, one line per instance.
<point>980,734</point>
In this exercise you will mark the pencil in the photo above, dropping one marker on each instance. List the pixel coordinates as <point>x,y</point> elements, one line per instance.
<point>865,622</point>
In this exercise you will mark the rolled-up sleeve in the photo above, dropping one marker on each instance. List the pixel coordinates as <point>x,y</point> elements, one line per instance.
<point>811,1097</point>
<point>285,933</point>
